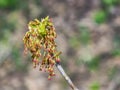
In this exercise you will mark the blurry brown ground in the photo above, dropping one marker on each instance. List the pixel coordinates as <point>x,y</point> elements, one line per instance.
<point>90,51</point>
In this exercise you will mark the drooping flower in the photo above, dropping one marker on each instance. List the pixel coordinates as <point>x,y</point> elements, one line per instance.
<point>40,41</point>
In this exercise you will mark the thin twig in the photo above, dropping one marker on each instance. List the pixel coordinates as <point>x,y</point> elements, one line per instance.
<point>61,70</point>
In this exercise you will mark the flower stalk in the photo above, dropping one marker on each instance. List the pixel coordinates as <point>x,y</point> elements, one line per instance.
<point>66,77</point>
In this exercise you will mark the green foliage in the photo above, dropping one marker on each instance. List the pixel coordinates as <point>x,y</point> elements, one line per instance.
<point>116,42</point>
<point>112,72</point>
<point>74,41</point>
<point>84,35</point>
<point>78,61</point>
<point>6,28</point>
<point>8,3</point>
<point>95,86</point>
<point>115,52</point>
<point>81,38</point>
<point>110,2</point>
<point>100,17</point>
<point>3,3</point>
<point>94,63</point>
<point>16,59</point>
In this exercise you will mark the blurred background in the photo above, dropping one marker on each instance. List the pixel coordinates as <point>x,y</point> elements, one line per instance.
<point>88,34</point>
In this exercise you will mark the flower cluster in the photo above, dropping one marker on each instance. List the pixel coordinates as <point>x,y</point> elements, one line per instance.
<point>40,41</point>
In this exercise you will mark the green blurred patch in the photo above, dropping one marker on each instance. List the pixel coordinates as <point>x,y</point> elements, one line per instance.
<point>94,86</point>
<point>94,63</point>
<point>111,2</point>
<point>81,38</point>
<point>74,41</point>
<point>17,60</point>
<point>115,52</point>
<point>8,3</point>
<point>8,24</point>
<point>78,62</point>
<point>6,28</point>
<point>84,35</point>
<point>116,43</point>
<point>112,72</point>
<point>100,17</point>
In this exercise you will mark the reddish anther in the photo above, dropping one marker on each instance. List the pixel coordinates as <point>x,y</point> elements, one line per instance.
<point>58,60</point>
<point>49,77</point>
